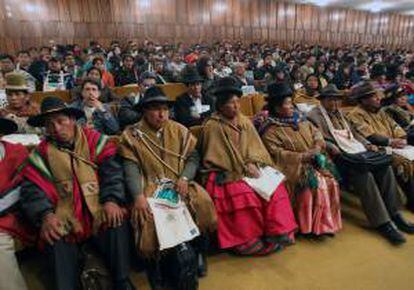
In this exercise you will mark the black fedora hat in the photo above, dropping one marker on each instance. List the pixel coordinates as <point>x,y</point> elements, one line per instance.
<point>154,95</point>
<point>7,126</point>
<point>362,90</point>
<point>190,75</point>
<point>227,85</point>
<point>330,91</point>
<point>52,105</point>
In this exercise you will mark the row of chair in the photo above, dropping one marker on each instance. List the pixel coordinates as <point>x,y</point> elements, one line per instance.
<point>250,105</point>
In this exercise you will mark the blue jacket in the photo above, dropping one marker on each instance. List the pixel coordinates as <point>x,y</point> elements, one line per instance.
<point>103,121</point>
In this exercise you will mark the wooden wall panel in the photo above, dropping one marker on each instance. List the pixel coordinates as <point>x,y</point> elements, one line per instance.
<point>36,22</point>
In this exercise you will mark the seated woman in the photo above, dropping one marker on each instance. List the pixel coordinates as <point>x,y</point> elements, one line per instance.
<point>106,96</point>
<point>397,107</point>
<point>296,146</point>
<point>231,150</point>
<point>19,107</point>
<point>306,98</point>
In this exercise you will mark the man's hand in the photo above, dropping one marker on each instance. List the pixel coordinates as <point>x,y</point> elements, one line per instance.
<point>141,209</point>
<point>252,170</point>
<point>398,143</point>
<point>97,104</point>
<point>114,214</point>
<point>51,228</point>
<point>182,186</point>
<point>371,147</point>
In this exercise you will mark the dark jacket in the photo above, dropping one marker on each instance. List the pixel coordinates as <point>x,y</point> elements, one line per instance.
<point>125,77</point>
<point>128,114</point>
<point>183,110</point>
<point>103,121</point>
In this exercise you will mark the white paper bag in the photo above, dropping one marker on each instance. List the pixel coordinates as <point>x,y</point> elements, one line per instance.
<point>406,152</point>
<point>173,223</point>
<point>267,183</point>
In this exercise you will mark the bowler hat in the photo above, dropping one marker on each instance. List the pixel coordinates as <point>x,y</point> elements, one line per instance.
<point>154,95</point>
<point>227,85</point>
<point>330,91</point>
<point>16,81</point>
<point>362,90</point>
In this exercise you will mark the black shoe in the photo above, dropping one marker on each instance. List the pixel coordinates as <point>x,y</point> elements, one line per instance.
<point>390,232</point>
<point>124,285</point>
<point>402,224</point>
<point>201,265</point>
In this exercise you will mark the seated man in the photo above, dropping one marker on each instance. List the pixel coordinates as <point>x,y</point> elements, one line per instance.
<point>127,73</point>
<point>156,149</point>
<point>12,157</point>
<point>231,150</point>
<point>373,124</point>
<point>73,193</point>
<point>56,78</point>
<point>98,115</point>
<point>106,96</point>
<point>192,107</point>
<point>298,149</point>
<point>377,187</point>
<point>128,114</point>
<point>19,107</point>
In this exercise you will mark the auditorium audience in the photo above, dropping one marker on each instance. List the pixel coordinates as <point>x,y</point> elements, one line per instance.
<point>302,127</point>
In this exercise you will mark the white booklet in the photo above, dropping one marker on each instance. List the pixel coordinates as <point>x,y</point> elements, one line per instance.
<point>406,152</point>
<point>267,183</point>
<point>173,223</point>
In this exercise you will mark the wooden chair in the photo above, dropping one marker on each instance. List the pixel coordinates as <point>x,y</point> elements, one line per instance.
<point>258,101</point>
<point>246,106</point>
<point>38,97</point>
<point>173,90</point>
<point>126,91</point>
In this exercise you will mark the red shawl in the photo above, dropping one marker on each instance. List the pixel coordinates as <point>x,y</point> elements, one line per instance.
<point>11,176</point>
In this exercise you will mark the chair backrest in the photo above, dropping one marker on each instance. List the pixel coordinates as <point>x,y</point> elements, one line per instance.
<point>173,90</point>
<point>258,101</point>
<point>126,91</point>
<point>38,97</point>
<point>246,106</point>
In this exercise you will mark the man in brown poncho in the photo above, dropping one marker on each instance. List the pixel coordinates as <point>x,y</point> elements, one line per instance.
<point>378,128</point>
<point>154,149</point>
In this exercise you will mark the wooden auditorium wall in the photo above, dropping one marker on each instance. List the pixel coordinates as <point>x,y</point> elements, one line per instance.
<point>25,23</point>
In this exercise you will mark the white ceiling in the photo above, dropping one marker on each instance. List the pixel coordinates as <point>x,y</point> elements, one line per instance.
<point>399,6</point>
